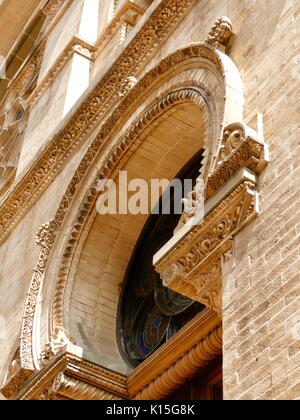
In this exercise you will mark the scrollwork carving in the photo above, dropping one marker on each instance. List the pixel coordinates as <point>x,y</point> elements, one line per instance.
<point>128,84</point>
<point>75,389</point>
<point>59,341</point>
<point>239,149</point>
<point>193,267</point>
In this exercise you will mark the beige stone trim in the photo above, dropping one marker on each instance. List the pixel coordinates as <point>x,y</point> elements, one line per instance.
<point>184,369</point>
<point>48,233</point>
<point>130,141</point>
<point>82,47</point>
<point>193,266</point>
<point>70,377</point>
<point>34,182</point>
<point>54,9</point>
<point>190,263</point>
<point>76,45</point>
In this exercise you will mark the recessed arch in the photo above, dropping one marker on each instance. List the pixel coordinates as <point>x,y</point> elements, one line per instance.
<point>198,66</point>
<point>111,240</point>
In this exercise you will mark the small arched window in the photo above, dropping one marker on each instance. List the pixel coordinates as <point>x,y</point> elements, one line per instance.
<point>149,313</point>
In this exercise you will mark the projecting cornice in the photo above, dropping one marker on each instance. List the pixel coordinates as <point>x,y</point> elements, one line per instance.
<point>191,262</point>
<point>24,194</point>
<point>69,377</point>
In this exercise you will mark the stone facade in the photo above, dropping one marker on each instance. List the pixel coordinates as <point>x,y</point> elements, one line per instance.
<point>110,88</point>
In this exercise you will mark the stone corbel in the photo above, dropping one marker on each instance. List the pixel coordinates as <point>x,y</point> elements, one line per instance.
<point>220,34</point>
<point>191,262</point>
<point>131,10</point>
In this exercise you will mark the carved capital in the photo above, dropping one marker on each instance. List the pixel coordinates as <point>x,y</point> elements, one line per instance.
<point>220,34</point>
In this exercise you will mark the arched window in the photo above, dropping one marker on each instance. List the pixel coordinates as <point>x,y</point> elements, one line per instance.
<point>149,313</point>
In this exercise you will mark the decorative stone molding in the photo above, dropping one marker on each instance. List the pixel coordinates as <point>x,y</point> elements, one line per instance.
<point>184,369</point>
<point>128,84</point>
<point>59,342</point>
<point>112,163</point>
<point>134,136</point>
<point>193,266</point>
<point>69,377</point>
<point>220,34</point>
<point>190,263</point>
<point>92,110</point>
<point>76,44</point>
<point>240,148</point>
<point>162,362</point>
<point>47,235</point>
<point>15,383</point>
<point>75,389</point>
<point>45,238</point>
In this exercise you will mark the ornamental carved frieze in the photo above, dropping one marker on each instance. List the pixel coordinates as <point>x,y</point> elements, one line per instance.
<point>92,110</point>
<point>192,266</point>
<point>191,263</point>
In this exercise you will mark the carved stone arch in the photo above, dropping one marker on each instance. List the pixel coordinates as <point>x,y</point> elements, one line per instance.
<point>77,207</point>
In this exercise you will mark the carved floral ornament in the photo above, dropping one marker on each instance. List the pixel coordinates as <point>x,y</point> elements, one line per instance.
<point>94,108</point>
<point>193,265</point>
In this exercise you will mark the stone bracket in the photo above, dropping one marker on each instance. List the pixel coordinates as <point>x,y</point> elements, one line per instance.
<point>191,262</point>
<point>193,266</point>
